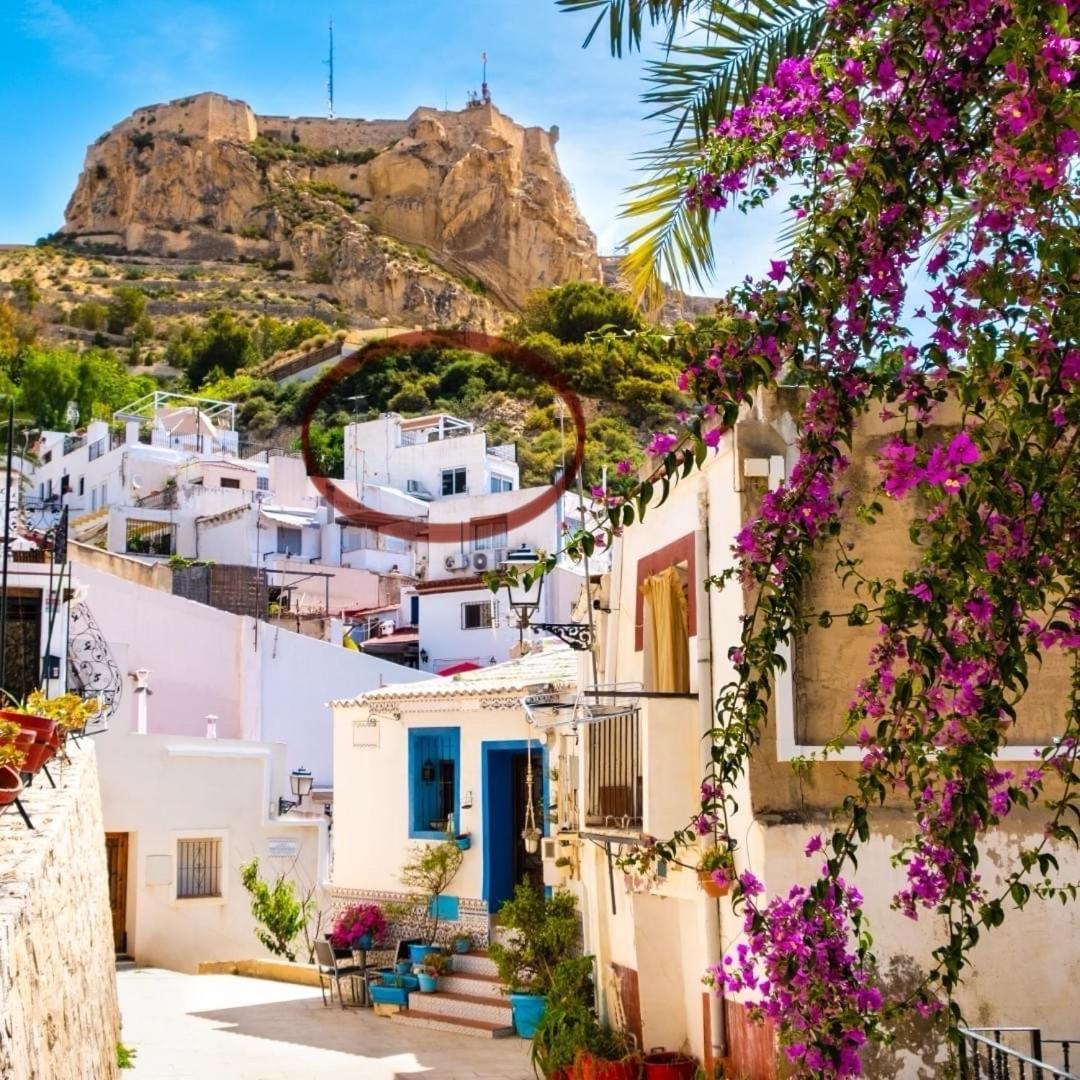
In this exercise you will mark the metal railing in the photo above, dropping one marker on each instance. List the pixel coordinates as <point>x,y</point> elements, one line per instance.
<point>614,773</point>
<point>985,1055</point>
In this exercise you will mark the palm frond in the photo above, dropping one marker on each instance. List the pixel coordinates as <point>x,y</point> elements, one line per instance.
<point>626,19</point>
<point>725,51</point>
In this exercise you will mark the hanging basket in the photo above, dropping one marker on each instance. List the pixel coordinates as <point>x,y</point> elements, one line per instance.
<point>710,886</point>
<point>531,837</point>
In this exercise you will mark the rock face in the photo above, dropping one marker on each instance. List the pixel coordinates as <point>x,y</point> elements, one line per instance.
<point>58,1008</point>
<point>445,217</point>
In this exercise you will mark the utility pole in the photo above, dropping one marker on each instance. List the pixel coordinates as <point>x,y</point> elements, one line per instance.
<point>330,79</point>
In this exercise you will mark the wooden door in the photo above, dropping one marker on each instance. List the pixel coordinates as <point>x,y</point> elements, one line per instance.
<point>116,854</point>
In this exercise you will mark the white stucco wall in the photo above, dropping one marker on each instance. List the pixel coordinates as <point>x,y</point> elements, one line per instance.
<point>158,788</point>
<point>371,789</point>
<point>260,681</point>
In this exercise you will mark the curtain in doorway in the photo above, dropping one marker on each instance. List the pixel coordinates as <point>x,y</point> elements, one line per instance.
<point>667,639</point>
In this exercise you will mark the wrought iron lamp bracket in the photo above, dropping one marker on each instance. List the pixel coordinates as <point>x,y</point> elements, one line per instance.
<point>578,636</point>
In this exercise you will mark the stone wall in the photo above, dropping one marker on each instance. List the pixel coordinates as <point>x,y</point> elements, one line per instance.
<point>59,1015</point>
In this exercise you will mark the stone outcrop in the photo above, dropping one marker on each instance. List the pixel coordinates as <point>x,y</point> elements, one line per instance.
<point>446,217</point>
<point>58,1008</point>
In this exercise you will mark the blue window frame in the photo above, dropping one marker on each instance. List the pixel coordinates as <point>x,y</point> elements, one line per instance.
<point>434,780</point>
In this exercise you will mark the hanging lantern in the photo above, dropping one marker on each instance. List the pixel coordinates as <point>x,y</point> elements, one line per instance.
<point>427,771</point>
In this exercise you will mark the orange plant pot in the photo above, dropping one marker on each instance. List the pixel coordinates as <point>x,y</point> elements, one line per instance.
<point>588,1067</point>
<point>705,880</point>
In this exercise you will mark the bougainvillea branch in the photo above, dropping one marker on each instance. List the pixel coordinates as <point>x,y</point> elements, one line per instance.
<point>932,147</point>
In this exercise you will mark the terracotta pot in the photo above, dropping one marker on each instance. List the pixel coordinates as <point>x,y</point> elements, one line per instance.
<point>664,1065</point>
<point>10,785</point>
<point>589,1067</point>
<point>705,880</point>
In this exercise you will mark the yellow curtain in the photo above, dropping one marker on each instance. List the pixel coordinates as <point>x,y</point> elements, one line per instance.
<point>666,631</point>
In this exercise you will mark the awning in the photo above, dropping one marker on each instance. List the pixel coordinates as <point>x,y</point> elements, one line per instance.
<point>458,669</point>
<point>296,521</point>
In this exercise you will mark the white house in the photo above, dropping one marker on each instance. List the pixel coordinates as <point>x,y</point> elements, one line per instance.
<point>411,758</point>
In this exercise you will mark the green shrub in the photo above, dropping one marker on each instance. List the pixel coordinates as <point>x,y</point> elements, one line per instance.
<point>543,930</point>
<point>280,915</point>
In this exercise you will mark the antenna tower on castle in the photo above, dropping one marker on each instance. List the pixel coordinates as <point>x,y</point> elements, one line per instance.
<point>485,93</point>
<point>330,79</point>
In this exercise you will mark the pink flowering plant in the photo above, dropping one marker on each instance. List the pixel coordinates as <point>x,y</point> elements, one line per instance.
<point>929,152</point>
<point>356,921</point>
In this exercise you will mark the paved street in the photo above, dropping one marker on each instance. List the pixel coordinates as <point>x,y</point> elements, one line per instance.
<point>224,1027</point>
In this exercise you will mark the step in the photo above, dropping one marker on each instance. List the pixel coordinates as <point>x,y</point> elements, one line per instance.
<point>479,1029</point>
<point>475,963</point>
<point>124,962</point>
<point>463,1006</point>
<point>465,982</point>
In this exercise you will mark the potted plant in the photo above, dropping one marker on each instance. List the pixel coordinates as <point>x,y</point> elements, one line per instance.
<point>434,965</point>
<point>461,942</point>
<point>607,1055</point>
<point>542,931</point>
<point>358,926</point>
<point>427,875</point>
<point>716,871</point>
<point>463,841</point>
<point>568,1018</point>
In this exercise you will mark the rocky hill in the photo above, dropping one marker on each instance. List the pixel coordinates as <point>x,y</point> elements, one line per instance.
<point>447,217</point>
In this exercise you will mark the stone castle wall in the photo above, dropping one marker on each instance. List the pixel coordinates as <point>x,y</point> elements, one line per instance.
<point>59,1015</point>
<point>207,116</point>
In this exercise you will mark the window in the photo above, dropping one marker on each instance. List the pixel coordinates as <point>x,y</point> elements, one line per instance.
<point>198,868</point>
<point>230,482</point>
<point>453,481</point>
<point>488,535</point>
<point>82,485</point>
<point>414,610</point>
<point>65,484</point>
<point>479,614</point>
<point>150,537</point>
<point>434,756</point>
<point>289,541</point>
<point>501,483</point>
<point>97,449</point>
<point>262,483</point>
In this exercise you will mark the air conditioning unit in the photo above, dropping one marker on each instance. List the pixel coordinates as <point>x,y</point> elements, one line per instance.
<point>481,559</point>
<point>457,561</point>
<point>417,490</point>
<point>386,627</point>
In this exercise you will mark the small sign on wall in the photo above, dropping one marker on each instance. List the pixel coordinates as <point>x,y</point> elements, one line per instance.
<point>365,733</point>
<point>283,848</point>
<point>158,869</point>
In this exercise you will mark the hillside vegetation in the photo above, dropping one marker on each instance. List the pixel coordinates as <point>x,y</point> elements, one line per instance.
<point>99,333</point>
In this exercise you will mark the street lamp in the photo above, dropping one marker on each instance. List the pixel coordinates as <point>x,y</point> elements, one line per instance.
<point>524,592</point>
<point>300,781</point>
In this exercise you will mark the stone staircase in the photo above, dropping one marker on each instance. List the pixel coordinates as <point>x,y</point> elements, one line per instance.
<point>469,1001</point>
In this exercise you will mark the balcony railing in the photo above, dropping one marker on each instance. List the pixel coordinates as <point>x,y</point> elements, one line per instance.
<point>614,794</point>
<point>985,1054</point>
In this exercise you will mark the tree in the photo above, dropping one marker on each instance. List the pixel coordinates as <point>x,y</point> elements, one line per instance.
<point>279,914</point>
<point>48,382</point>
<point>125,309</point>
<point>571,312</point>
<point>428,874</point>
<point>732,50</point>
<point>225,343</point>
<point>939,128</point>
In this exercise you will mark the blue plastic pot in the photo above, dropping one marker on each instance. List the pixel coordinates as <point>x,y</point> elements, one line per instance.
<point>389,995</point>
<point>417,953</point>
<point>463,842</point>
<point>428,983</point>
<point>364,941</point>
<point>528,1011</point>
<point>462,945</point>
<point>403,967</point>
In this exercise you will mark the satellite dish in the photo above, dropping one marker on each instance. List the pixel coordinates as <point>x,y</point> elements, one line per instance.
<point>137,482</point>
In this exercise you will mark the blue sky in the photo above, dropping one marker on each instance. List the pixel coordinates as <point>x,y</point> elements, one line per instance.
<point>70,69</point>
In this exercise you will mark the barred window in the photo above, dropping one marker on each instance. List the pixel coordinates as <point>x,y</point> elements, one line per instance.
<point>198,868</point>
<point>479,614</point>
<point>149,537</point>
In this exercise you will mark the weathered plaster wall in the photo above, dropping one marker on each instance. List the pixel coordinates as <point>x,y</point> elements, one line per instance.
<point>59,1015</point>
